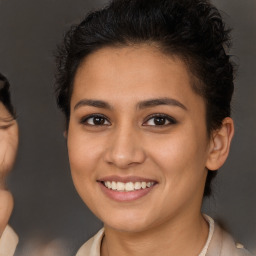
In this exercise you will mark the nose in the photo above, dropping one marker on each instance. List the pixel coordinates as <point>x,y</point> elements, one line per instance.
<point>125,149</point>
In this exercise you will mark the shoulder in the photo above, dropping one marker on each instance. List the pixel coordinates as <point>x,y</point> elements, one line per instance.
<point>92,246</point>
<point>223,244</point>
<point>8,242</point>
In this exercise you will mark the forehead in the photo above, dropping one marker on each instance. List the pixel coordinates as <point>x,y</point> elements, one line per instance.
<point>132,72</point>
<point>139,59</point>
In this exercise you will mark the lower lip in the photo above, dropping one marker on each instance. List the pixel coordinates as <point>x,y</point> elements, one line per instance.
<point>122,196</point>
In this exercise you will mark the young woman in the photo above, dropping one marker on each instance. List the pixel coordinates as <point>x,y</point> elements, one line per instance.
<point>146,88</point>
<point>8,149</point>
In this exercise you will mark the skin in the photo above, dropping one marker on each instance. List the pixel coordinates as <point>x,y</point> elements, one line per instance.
<point>174,155</point>
<point>8,149</point>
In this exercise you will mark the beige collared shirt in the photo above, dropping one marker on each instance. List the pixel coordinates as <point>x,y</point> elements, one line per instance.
<point>219,244</point>
<point>8,242</point>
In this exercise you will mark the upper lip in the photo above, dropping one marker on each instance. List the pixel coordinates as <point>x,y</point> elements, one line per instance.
<point>125,179</point>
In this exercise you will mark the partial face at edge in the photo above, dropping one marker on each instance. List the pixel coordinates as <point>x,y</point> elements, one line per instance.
<point>8,141</point>
<point>135,118</point>
<point>8,149</point>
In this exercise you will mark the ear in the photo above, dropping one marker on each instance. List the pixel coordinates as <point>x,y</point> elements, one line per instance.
<point>65,134</point>
<point>220,145</point>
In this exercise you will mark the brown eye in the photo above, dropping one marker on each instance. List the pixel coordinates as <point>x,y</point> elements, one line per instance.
<point>159,120</point>
<point>98,120</point>
<point>95,120</point>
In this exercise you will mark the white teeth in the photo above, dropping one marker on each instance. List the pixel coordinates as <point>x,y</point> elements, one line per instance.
<point>120,186</point>
<point>109,184</point>
<point>128,186</point>
<point>137,185</point>
<point>149,184</point>
<point>113,185</point>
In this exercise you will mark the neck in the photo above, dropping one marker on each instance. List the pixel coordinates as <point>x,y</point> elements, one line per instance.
<point>184,236</point>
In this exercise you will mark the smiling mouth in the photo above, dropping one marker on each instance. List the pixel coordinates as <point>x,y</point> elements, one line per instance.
<point>127,186</point>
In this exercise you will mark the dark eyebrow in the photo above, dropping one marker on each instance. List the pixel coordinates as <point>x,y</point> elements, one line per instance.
<point>92,103</point>
<point>140,105</point>
<point>160,101</point>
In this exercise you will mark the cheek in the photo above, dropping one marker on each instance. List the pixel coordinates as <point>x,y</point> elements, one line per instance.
<point>172,150</point>
<point>82,165</point>
<point>83,157</point>
<point>83,149</point>
<point>181,157</point>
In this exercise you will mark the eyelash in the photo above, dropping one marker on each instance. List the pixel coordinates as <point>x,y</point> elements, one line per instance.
<point>103,118</point>
<point>165,117</point>
<point>84,120</point>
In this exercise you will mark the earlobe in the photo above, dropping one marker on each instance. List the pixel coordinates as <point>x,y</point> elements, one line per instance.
<point>220,144</point>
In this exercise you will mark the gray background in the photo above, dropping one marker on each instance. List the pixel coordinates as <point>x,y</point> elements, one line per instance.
<point>48,212</point>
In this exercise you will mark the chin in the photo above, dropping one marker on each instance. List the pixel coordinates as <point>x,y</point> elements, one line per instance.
<point>127,223</point>
<point>127,227</point>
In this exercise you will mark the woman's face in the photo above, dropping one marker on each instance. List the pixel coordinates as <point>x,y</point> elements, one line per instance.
<point>137,138</point>
<point>8,148</point>
<point>8,141</point>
